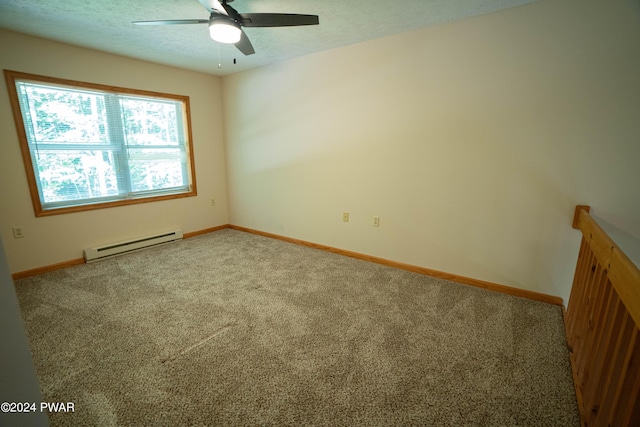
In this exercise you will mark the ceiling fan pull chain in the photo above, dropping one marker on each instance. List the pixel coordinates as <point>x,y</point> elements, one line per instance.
<point>219,63</point>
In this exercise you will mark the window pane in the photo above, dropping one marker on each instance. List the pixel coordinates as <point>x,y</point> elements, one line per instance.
<point>68,175</point>
<point>149,122</point>
<point>154,169</point>
<point>68,116</point>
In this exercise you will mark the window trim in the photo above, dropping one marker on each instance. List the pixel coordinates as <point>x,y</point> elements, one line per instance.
<point>12,76</point>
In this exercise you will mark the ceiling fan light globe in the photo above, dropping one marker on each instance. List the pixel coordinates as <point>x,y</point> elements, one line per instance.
<point>224,32</point>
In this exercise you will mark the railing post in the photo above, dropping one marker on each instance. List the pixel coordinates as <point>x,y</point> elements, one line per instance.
<point>576,215</point>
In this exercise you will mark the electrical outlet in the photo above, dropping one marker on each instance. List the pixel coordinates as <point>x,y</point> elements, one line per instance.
<point>376,221</point>
<point>18,233</point>
<point>345,216</point>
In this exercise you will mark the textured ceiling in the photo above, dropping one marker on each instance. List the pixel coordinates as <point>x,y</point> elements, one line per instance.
<point>106,26</point>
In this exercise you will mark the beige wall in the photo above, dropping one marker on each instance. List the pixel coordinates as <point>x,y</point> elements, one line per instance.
<point>473,142</point>
<point>49,240</point>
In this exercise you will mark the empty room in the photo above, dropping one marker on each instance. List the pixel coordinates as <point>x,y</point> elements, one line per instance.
<point>352,213</point>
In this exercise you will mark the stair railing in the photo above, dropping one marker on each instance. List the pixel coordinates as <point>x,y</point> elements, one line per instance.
<point>602,323</point>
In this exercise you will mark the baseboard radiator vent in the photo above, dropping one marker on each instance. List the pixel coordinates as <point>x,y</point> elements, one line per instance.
<point>94,254</point>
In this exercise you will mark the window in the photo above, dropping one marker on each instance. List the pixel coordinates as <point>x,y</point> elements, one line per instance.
<point>88,146</point>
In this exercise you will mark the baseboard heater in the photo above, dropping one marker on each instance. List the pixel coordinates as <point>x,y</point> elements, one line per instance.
<point>94,254</point>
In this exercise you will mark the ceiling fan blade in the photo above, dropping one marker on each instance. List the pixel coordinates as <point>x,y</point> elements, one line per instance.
<point>172,22</point>
<point>213,6</point>
<point>277,19</point>
<point>231,12</point>
<point>244,45</point>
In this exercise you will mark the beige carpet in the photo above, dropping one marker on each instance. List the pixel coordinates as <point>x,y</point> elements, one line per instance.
<point>231,328</point>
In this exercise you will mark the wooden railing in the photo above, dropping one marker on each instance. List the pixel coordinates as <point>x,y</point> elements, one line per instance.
<point>602,321</point>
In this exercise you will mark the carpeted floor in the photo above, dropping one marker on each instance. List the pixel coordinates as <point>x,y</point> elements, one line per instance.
<point>231,329</point>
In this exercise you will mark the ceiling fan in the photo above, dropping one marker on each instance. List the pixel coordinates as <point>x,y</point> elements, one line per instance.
<point>225,23</point>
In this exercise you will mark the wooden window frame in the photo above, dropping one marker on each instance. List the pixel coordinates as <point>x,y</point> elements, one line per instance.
<point>12,76</point>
